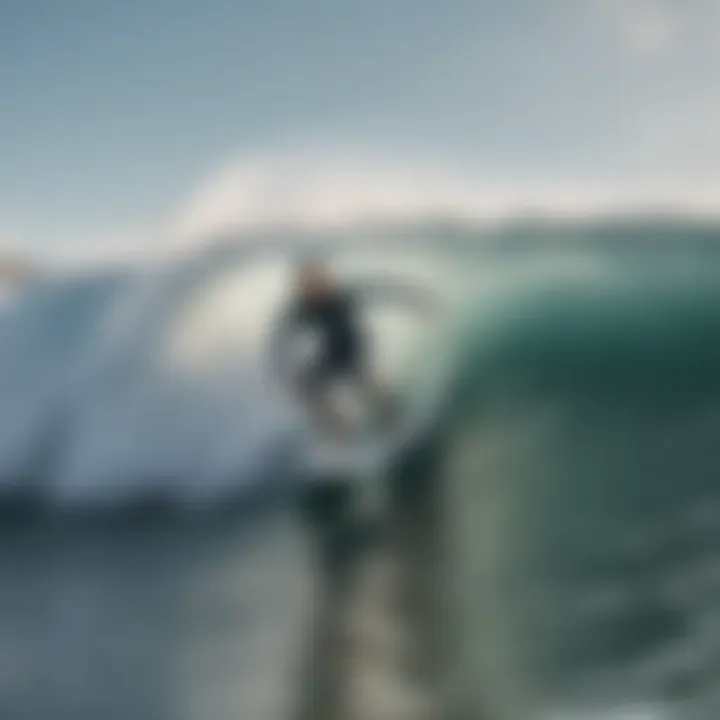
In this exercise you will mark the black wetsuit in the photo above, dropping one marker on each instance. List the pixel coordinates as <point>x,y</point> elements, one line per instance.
<point>335,319</point>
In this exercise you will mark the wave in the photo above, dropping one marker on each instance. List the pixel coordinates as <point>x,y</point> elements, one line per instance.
<point>581,479</point>
<point>150,380</point>
<point>148,386</point>
<point>317,186</point>
<point>575,401</point>
<point>130,383</point>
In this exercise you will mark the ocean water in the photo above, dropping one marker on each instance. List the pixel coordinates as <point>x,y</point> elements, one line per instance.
<point>164,618</point>
<point>583,504</point>
<point>572,386</point>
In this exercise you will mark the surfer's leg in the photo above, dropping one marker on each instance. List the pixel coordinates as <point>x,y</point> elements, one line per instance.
<point>317,395</point>
<point>329,415</point>
<point>377,395</point>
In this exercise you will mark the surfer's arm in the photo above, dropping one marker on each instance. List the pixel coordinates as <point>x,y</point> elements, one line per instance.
<point>398,292</point>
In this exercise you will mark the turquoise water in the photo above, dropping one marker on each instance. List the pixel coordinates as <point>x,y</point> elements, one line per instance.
<point>583,488</point>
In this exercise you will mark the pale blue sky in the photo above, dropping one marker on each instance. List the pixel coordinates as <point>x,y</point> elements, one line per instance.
<point>112,113</point>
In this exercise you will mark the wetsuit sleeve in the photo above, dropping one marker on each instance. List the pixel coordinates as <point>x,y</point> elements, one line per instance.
<point>397,292</point>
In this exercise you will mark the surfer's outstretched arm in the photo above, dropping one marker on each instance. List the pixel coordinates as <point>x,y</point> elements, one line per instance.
<point>399,292</point>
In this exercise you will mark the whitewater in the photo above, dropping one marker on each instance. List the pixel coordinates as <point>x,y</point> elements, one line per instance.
<point>153,382</point>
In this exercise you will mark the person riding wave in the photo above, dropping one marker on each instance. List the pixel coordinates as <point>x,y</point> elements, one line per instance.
<point>331,310</point>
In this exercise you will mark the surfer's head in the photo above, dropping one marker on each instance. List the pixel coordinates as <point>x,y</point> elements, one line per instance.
<point>314,278</point>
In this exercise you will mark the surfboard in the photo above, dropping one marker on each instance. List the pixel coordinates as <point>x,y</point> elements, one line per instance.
<point>363,459</point>
<point>361,463</point>
<point>357,455</point>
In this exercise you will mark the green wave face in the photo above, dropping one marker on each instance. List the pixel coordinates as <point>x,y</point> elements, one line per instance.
<point>581,418</point>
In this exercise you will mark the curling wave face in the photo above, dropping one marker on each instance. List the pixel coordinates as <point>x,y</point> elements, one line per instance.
<point>584,451</point>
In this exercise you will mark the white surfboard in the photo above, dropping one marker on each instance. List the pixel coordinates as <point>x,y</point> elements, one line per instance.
<point>362,459</point>
<point>357,455</point>
<point>358,462</point>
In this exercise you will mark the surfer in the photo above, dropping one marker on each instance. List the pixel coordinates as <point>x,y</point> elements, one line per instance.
<point>331,310</point>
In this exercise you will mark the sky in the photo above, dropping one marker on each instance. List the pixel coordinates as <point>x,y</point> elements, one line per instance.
<point>124,122</point>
